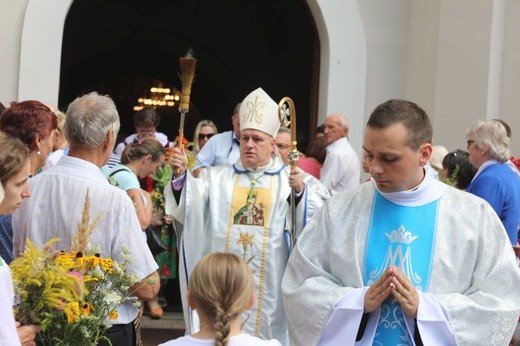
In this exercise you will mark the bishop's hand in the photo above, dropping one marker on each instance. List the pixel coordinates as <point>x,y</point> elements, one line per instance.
<point>178,162</point>
<point>296,180</point>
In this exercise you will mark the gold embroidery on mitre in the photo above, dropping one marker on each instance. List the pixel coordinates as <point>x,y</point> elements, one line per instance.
<point>254,113</point>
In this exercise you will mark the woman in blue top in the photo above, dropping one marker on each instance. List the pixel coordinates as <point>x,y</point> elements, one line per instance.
<point>488,148</point>
<point>139,160</point>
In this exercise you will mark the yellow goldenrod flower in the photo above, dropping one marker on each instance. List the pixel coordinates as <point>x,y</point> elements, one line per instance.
<point>90,278</point>
<point>72,312</point>
<point>65,260</point>
<point>69,293</point>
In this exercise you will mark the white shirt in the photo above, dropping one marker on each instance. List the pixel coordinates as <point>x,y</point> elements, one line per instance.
<point>341,169</point>
<point>8,332</point>
<point>55,208</point>
<point>54,157</point>
<point>221,149</point>
<point>237,340</point>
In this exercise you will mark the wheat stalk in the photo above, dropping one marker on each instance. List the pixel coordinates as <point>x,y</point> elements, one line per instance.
<point>85,227</point>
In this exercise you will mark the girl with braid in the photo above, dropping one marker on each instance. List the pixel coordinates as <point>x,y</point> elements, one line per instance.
<point>221,289</point>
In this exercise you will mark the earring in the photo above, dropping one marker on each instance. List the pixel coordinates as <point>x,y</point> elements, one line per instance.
<point>38,152</point>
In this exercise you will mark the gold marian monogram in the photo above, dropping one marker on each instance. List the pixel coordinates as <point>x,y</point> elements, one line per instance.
<point>254,113</point>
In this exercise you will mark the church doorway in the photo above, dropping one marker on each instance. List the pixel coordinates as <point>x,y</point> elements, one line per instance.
<point>124,48</point>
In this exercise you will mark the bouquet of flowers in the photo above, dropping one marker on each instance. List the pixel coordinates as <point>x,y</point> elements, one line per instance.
<point>71,295</point>
<point>166,259</point>
<point>162,176</point>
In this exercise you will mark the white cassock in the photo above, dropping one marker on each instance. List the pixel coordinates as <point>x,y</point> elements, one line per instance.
<point>470,295</point>
<point>232,209</point>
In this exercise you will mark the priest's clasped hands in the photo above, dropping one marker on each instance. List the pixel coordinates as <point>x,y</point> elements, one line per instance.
<point>393,283</point>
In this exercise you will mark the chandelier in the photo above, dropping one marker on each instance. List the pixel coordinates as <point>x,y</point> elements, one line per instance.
<point>159,97</point>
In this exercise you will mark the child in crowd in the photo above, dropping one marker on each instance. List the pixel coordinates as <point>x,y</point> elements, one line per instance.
<point>220,289</point>
<point>457,170</point>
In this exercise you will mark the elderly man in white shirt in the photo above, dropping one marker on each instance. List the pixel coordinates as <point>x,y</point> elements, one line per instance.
<point>58,194</point>
<point>341,169</point>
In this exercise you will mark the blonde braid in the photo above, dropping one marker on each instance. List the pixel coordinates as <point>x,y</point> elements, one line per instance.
<point>221,284</point>
<point>221,326</point>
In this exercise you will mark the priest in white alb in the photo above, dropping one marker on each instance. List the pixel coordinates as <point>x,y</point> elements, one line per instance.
<point>404,259</point>
<point>243,208</point>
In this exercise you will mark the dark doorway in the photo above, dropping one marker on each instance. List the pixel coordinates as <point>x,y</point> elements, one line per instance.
<point>124,47</point>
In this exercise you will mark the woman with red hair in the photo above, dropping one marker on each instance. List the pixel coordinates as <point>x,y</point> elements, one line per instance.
<point>33,123</point>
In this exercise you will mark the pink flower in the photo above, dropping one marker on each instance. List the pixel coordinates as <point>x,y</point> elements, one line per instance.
<point>76,274</point>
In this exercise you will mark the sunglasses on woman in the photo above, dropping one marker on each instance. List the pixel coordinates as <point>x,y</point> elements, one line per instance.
<point>205,135</point>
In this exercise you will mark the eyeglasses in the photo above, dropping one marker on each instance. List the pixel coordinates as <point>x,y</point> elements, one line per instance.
<point>205,135</point>
<point>283,146</point>
<point>469,141</point>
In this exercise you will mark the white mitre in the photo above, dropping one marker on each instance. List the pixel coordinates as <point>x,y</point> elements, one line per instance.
<point>258,111</point>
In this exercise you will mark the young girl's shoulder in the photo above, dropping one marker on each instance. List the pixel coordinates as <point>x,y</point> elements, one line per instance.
<point>246,339</point>
<point>189,340</point>
<point>237,340</point>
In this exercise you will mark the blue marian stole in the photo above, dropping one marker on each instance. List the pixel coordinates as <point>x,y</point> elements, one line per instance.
<point>404,237</point>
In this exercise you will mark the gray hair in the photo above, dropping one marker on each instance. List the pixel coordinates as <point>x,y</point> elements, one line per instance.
<point>344,122</point>
<point>284,130</point>
<point>88,120</point>
<point>237,108</point>
<point>492,134</point>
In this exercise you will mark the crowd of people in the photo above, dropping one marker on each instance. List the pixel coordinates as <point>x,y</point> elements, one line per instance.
<point>421,253</point>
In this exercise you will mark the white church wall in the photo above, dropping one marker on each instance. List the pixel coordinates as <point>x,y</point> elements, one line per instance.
<point>456,69</point>
<point>11,20</point>
<point>343,63</point>
<point>462,70</point>
<point>386,26</point>
<point>422,53</point>
<point>510,101</point>
<point>41,45</point>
